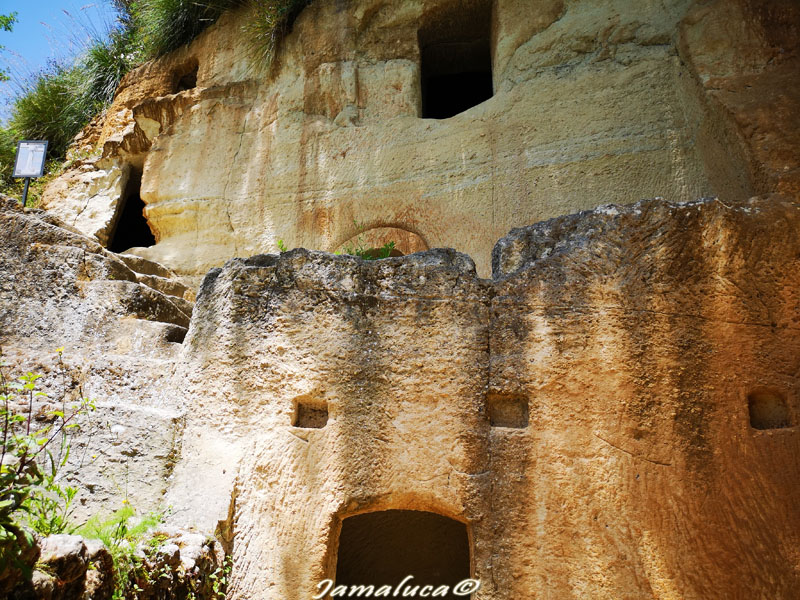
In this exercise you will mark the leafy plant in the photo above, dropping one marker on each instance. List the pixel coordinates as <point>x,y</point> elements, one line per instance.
<point>121,533</point>
<point>220,579</point>
<point>362,251</point>
<point>6,24</point>
<point>26,488</point>
<point>282,247</point>
<point>49,507</point>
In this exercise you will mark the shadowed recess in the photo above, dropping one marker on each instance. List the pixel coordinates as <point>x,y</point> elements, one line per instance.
<point>310,415</point>
<point>456,60</point>
<point>131,229</point>
<point>507,411</point>
<point>185,76</point>
<point>383,547</point>
<point>768,410</point>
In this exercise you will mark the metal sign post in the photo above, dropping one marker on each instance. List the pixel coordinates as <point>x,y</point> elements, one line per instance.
<point>31,155</point>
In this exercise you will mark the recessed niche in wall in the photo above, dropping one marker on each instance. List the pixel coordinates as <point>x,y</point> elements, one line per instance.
<point>381,548</point>
<point>376,239</point>
<point>131,228</point>
<point>311,414</point>
<point>175,334</point>
<point>768,410</point>
<point>456,59</point>
<point>507,411</point>
<point>185,77</point>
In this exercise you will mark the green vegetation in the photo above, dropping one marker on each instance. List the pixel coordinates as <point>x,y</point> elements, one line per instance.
<point>361,250</point>
<point>6,24</point>
<point>164,25</point>
<point>122,533</point>
<point>271,20</point>
<point>358,249</point>
<point>58,102</point>
<point>49,508</point>
<point>53,108</point>
<point>30,497</point>
<point>220,578</point>
<point>35,447</point>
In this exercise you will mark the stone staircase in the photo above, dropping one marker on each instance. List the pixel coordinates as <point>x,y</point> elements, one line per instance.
<point>161,279</point>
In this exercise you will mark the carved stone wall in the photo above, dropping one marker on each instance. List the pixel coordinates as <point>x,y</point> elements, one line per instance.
<point>593,101</point>
<point>587,413</point>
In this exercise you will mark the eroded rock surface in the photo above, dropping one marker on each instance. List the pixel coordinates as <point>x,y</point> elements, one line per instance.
<point>614,414</point>
<point>170,564</point>
<point>592,101</point>
<point>60,289</point>
<point>588,413</point>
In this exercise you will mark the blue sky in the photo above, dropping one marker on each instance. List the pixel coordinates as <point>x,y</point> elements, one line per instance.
<point>44,31</point>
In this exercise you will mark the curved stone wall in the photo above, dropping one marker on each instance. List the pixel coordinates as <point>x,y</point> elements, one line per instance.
<point>588,413</point>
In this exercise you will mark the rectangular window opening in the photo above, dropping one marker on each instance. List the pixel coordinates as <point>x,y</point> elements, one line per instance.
<point>310,415</point>
<point>456,60</point>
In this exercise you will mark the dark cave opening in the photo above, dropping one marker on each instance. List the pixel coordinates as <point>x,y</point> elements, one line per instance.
<point>384,547</point>
<point>185,77</point>
<point>131,229</point>
<point>310,415</point>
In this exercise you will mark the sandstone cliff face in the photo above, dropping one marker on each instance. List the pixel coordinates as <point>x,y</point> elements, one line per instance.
<point>592,101</point>
<point>120,338</point>
<point>614,414</point>
<point>637,335</point>
<point>591,414</point>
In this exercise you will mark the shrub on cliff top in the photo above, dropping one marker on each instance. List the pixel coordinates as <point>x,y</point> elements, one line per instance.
<point>164,25</point>
<point>52,108</point>
<point>271,21</point>
<point>106,62</point>
<point>58,102</point>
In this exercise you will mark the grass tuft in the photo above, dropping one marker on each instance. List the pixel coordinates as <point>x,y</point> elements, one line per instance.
<point>165,25</point>
<point>105,63</point>
<point>271,21</point>
<point>52,109</point>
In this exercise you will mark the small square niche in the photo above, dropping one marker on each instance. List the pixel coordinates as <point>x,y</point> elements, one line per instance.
<point>768,410</point>
<point>508,411</point>
<point>310,414</point>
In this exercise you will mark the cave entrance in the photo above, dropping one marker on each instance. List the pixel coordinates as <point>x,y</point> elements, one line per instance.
<point>131,229</point>
<point>185,76</point>
<point>382,548</point>
<point>456,60</point>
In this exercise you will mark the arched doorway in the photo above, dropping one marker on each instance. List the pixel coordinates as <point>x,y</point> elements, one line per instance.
<point>384,547</point>
<point>403,241</point>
